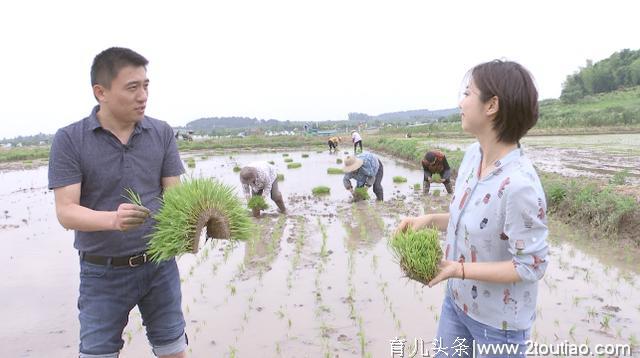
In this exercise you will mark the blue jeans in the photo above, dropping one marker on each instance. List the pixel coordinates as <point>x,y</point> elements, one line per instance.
<point>457,330</point>
<point>108,294</point>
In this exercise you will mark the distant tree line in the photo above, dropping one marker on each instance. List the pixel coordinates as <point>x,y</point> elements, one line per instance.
<point>620,70</point>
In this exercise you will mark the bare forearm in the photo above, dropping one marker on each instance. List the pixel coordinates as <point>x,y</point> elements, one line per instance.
<point>496,272</point>
<point>76,217</point>
<point>440,221</point>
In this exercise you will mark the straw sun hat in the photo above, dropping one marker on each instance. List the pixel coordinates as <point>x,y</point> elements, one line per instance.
<point>351,164</point>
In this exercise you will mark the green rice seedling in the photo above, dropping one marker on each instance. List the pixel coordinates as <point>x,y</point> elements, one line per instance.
<point>285,154</point>
<point>436,192</point>
<point>236,169</point>
<point>280,177</point>
<point>338,161</point>
<point>335,171</point>
<point>191,163</point>
<point>272,162</point>
<point>305,155</point>
<point>436,177</point>
<point>321,190</point>
<point>418,253</point>
<point>294,165</point>
<point>256,204</point>
<point>190,207</point>
<point>417,186</point>
<point>620,178</point>
<point>132,196</point>
<point>399,179</point>
<point>361,193</point>
<point>288,160</point>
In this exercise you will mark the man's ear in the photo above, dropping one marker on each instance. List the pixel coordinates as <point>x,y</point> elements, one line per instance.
<point>99,92</point>
<point>492,106</point>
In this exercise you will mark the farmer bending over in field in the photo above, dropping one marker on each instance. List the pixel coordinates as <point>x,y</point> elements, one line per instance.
<point>333,143</point>
<point>435,162</point>
<point>366,169</point>
<point>261,178</point>
<point>357,141</point>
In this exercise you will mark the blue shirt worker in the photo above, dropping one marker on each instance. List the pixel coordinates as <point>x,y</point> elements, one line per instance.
<point>92,163</point>
<point>367,171</point>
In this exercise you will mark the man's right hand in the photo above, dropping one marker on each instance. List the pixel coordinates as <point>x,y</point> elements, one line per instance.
<point>129,216</point>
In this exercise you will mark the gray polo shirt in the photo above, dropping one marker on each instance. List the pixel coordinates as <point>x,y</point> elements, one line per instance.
<point>86,153</point>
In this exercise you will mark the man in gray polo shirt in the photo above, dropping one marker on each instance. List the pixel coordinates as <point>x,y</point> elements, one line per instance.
<point>92,162</point>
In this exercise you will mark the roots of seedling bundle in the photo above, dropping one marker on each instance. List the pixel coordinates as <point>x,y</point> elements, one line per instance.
<point>418,253</point>
<point>187,209</point>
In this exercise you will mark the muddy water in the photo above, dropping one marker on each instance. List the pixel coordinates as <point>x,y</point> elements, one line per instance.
<point>595,156</point>
<point>319,281</point>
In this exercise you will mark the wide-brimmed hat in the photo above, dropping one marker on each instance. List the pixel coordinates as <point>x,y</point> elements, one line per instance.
<point>351,164</point>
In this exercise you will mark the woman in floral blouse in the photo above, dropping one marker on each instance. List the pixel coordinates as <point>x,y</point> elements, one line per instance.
<point>496,249</point>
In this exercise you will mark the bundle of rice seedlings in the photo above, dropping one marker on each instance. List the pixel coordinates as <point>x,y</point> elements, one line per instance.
<point>280,177</point>
<point>418,253</point>
<point>305,155</point>
<point>417,186</point>
<point>294,165</point>
<point>190,207</point>
<point>320,190</point>
<point>436,177</point>
<point>191,163</point>
<point>272,162</point>
<point>361,193</point>
<point>335,171</point>
<point>399,179</point>
<point>236,169</point>
<point>338,161</point>
<point>288,160</point>
<point>436,192</point>
<point>285,154</point>
<point>257,204</point>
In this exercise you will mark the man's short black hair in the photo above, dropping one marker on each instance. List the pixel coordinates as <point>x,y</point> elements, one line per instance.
<point>109,62</point>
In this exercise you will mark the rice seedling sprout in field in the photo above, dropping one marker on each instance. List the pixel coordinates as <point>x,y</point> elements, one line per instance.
<point>280,177</point>
<point>294,165</point>
<point>417,186</point>
<point>335,171</point>
<point>321,190</point>
<point>305,155</point>
<point>236,169</point>
<point>288,160</point>
<point>399,179</point>
<point>338,161</point>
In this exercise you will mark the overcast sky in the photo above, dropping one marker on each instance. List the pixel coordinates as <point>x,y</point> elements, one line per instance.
<point>295,60</point>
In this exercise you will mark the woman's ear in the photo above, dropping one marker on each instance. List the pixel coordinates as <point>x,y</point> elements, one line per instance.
<point>492,106</point>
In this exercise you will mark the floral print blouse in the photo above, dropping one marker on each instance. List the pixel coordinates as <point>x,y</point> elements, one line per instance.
<point>501,217</point>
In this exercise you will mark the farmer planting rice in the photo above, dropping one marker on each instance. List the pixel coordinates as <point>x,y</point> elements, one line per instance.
<point>367,171</point>
<point>92,162</point>
<point>333,144</point>
<point>496,249</point>
<point>435,162</point>
<point>356,139</point>
<point>261,179</point>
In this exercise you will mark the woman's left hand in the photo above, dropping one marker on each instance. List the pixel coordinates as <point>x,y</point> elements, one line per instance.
<point>448,269</point>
